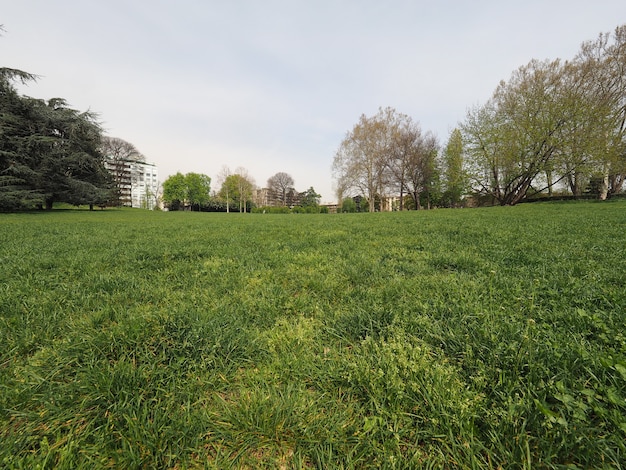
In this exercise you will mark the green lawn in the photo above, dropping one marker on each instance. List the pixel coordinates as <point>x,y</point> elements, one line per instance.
<point>474,338</point>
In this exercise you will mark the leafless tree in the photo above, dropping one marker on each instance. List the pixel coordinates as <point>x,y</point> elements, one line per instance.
<point>361,162</point>
<point>281,184</point>
<point>118,154</point>
<point>118,149</point>
<point>385,153</point>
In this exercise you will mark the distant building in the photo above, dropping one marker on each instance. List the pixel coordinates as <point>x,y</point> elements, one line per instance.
<point>137,182</point>
<point>389,203</point>
<point>265,197</point>
<point>331,207</point>
<point>261,197</point>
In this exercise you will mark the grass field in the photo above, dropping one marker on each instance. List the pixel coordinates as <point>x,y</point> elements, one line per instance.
<point>482,338</point>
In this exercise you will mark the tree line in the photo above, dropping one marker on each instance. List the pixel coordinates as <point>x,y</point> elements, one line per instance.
<point>554,127</point>
<point>238,193</point>
<point>52,153</point>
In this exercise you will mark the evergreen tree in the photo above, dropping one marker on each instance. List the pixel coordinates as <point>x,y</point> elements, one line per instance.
<point>48,151</point>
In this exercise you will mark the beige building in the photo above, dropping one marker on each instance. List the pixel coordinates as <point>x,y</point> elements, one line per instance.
<point>265,197</point>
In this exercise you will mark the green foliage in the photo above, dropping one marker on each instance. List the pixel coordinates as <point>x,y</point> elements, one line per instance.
<point>490,338</point>
<point>306,209</point>
<point>198,189</point>
<point>48,151</point>
<point>454,176</point>
<point>271,210</point>
<point>310,198</point>
<point>192,189</point>
<point>175,190</point>
<point>553,122</point>
<point>348,205</point>
<point>237,190</point>
<point>286,210</point>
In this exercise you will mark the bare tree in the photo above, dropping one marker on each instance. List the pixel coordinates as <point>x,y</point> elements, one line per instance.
<point>280,184</point>
<point>118,149</point>
<point>385,153</point>
<point>224,173</point>
<point>411,162</point>
<point>118,154</point>
<point>421,168</point>
<point>362,161</point>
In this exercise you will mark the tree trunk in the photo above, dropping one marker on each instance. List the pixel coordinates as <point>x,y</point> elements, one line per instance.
<point>416,200</point>
<point>616,182</point>
<point>549,181</point>
<point>604,188</point>
<point>574,184</point>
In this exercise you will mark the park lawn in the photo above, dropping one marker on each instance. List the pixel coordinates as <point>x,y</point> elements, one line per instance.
<point>484,338</point>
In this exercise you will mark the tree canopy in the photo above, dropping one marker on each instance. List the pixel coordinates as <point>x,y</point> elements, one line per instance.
<point>237,190</point>
<point>190,190</point>
<point>553,122</point>
<point>117,149</point>
<point>49,152</point>
<point>120,155</point>
<point>280,185</point>
<point>454,175</point>
<point>310,198</point>
<point>386,154</point>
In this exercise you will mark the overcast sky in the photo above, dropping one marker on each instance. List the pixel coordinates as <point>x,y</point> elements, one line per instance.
<point>274,85</point>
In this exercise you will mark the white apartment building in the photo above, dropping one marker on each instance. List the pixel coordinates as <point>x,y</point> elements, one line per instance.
<point>145,185</point>
<point>137,182</point>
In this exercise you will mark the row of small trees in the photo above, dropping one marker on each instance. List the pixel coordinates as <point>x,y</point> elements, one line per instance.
<point>555,125</point>
<point>236,193</point>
